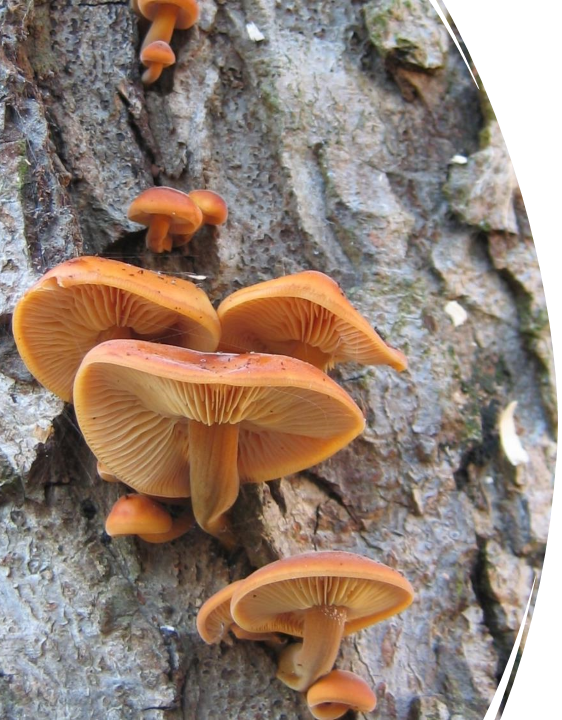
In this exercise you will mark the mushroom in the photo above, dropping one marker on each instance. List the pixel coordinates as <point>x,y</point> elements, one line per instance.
<point>155,57</point>
<point>173,422</point>
<point>214,620</point>
<point>166,15</point>
<point>211,204</point>
<point>166,212</point>
<point>140,515</point>
<point>337,692</point>
<point>306,316</point>
<point>180,525</point>
<point>88,300</point>
<point>320,597</point>
<point>213,207</point>
<point>134,514</point>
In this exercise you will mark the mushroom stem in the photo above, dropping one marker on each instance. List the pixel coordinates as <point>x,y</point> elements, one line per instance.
<point>214,480</point>
<point>302,664</point>
<point>163,25</point>
<point>157,238</point>
<point>152,73</point>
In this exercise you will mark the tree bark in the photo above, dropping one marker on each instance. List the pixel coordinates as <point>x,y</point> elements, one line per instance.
<point>333,141</point>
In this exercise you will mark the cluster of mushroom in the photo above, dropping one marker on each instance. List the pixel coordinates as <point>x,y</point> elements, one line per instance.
<point>319,597</point>
<point>168,415</point>
<point>165,16</point>
<point>180,401</point>
<point>173,217</point>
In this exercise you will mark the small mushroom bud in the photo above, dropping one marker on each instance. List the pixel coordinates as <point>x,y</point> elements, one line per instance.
<point>180,526</point>
<point>155,57</point>
<point>337,692</point>
<point>166,212</point>
<point>136,515</point>
<point>213,207</point>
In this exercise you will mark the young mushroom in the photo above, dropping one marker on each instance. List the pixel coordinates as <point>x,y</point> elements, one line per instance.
<point>213,207</point>
<point>180,525</point>
<point>142,516</point>
<point>320,597</point>
<point>166,212</point>
<point>89,300</point>
<point>211,204</point>
<point>155,57</point>
<point>134,514</point>
<point>336,693</point>
<point>306,316</point>
<point>214,620</point>
<point>174,423</point>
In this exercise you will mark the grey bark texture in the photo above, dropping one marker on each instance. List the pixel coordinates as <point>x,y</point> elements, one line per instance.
<point>333,141</point>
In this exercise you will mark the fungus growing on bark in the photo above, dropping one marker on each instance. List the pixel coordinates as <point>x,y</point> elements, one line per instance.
<point>155,57</point>
<point>166,212</point>
<point>181,423</point>
<point>320,597</point>
<point>337,692</point>
<point>88,300</point>
<point>306,316</point>
<point>134,514</point>
<point>180,525</point>
<point>213,209</point>
<point>140,515</point>
<point>214,620</point>
<point>211,204</point>
<point>166,16</point>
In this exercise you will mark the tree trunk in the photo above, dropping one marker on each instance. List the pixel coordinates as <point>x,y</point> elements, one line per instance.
<point>350,140</point>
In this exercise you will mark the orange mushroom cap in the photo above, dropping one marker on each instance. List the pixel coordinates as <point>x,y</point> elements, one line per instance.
<point>187,11</point>
<point>180,525</point>
<point>173,422</point>
<point>320,597</point>
<point>155,57</point>
<point>135,514</point>
<point>211,204</point>
<point>307,316</point>
<point>166,15</point>
<point>214,620</point>
<point>158,52</point>
<point>337,692</point>
<point>88,300</point>
<point>166,212</point>
<point>213,207</point>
